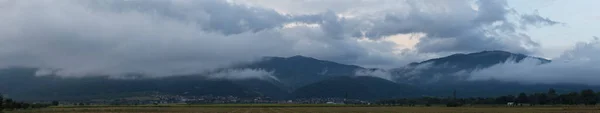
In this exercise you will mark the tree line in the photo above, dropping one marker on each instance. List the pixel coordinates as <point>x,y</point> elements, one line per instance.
<point>10,104</point>
<point>584,97</point>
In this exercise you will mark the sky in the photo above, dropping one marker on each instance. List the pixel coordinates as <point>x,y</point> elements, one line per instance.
<point>580,24</point>
<point>166,37</point>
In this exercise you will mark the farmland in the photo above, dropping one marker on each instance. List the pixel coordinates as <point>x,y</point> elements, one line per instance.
<point>273,108</point>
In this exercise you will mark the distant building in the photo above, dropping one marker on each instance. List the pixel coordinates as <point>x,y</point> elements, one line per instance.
<point>510,104</point>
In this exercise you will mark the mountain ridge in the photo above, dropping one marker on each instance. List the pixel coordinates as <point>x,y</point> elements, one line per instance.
<point>444,69</point>
<point>298,77</point>
<point>516,56</point>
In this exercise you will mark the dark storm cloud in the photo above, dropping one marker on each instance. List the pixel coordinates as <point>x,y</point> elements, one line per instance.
<point>329,22</point>
<point>490,11</point>
<point>457,27</point>
<point>157,37</point>
<point>212,15</point>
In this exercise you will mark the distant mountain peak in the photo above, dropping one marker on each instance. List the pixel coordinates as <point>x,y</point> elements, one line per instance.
<point>495,52</point>
<point>296,57</point>
<point>300,57</point>
<point>490,56</point>
<point>297,71</point>
<point>428,70</point>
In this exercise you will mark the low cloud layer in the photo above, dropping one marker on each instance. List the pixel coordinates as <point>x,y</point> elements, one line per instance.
<point>536,20</point>
<point>167,37</point>
<point>375,73</point>
<point>576,66</point>
<point>243,74</point>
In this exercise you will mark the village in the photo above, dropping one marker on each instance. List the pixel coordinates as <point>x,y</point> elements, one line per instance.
<point>208,99</point>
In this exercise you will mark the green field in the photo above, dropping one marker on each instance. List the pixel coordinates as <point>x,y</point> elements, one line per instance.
<point>299,108</point>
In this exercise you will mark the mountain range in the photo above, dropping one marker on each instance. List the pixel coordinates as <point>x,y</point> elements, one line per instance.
<point>292,77</point>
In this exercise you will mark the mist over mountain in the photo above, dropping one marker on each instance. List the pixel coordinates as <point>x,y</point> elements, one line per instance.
<point>578,65</point>
<point>21,83</point>
<point>297,71</point>
<point>291,77</point>
<point>457,67</point>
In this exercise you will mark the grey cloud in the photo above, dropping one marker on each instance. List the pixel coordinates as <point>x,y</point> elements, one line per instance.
<point>212,15</point>
<point>430,17</point>
<point>468,25</point>
<point>240,18</point>
<point>375,73</point>
<point>160,37</point>
<point>457,27</point>
<point>243,74</point>
<point>490,11</point>
<point>536,20</point>
<point>82,39</point>
<point>165,37</point>
<point>450,26</point>
<point>471,42</point>
<point>320,6</point>
<point>329,22</point>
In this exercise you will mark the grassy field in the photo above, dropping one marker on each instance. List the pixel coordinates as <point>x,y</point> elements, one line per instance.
<point>306,109</point>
